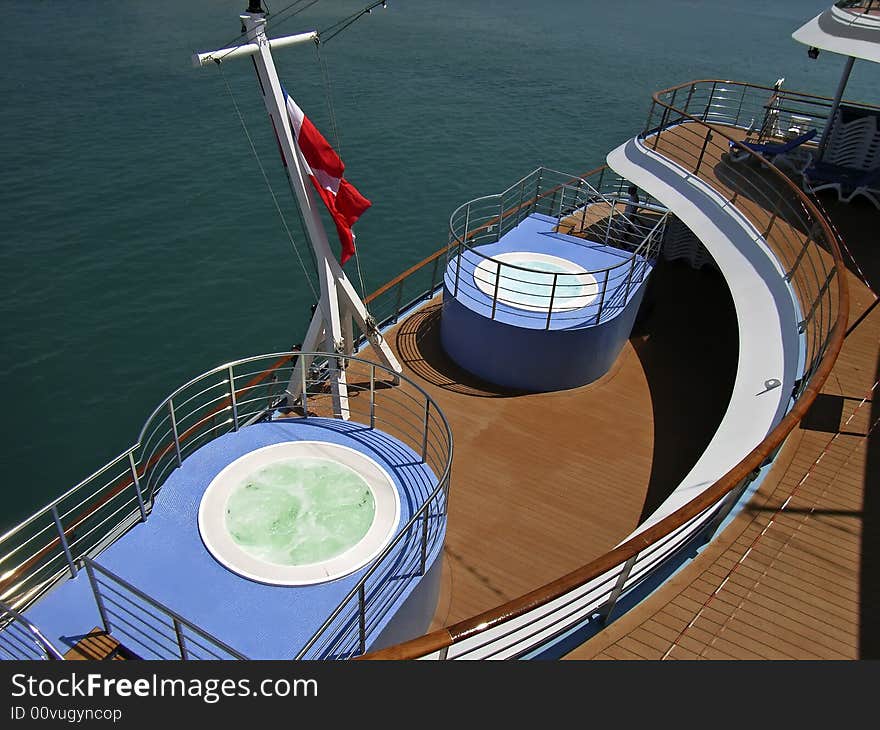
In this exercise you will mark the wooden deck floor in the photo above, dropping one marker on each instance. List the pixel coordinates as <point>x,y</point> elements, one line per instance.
<point>795,575</point>
<point>542,483</point>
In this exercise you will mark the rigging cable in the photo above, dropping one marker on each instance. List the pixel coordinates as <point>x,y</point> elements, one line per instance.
<point>346,22</point>
<point>328,94</point>
<point>268,183</point>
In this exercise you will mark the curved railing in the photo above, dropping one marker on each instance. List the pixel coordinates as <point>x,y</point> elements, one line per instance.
<point>51,545</point>
<point>807,249</point>
<point>20,639</point>
<point>548,297</point>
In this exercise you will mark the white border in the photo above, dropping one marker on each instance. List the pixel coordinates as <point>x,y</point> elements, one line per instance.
<point>218,541</point>
<point>489,267</point>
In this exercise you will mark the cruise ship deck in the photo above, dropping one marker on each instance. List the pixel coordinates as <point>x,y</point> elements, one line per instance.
<point>794,576</point>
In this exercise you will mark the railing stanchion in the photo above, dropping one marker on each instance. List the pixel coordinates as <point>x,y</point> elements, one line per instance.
<point>425,431</point>
<point>495,293</point>
<point>399,301</point>
<point>99,602</point>
<point>703,150</point>
<point>424,556</point>
<point>727,505</point>
<point>552,297</point>
<point>433,278</point>
<point>304,384</point>
<point>522,189</point>
<point>178,631</point>
<point>174,431</point>
<point>362,619</point>
<point>602,297</point>
<point>606,608</point>
<point>137,486</point>
<point>63,538</point>
<point>232,398</point>
<point>629,279</point>
<point>372,396</point>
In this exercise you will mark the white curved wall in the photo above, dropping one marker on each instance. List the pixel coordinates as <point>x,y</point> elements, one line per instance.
<point>766,310</point>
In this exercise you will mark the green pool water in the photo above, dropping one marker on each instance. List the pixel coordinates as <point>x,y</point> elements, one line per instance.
<point>299,511</point>
<point>533,288</point>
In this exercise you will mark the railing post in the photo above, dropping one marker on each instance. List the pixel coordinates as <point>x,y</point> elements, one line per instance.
<point>500,217</point>
<point>711,100</point>
<point>137,486</point>
<point>495,293</point>
<point>102,611</point>
<point>457,270</point>
<point>424,557</point>
<point>687,104</point>
<point>433,277</point>
<point>661,127</point>
<point>461,247</point>
<point>606,608</point>
<point>180,643</point>
<point>232,398</point>
<point>552,296</point>
<point>629,279</point>
<point>742,98</point>
<point>425,432</point>
<point>703,150</point>
<point>372,396</point>
<point>602,298</point>
<point>174,432</point>
<point>304,385</point>
<point>522,189</point>
<point>797,262</point>
<point>362,619</point>
<point>399,301</point>
<point>727,505</point>
<point>61,536</point>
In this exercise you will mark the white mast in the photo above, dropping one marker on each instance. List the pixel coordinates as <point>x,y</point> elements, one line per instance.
<point>339,302</point>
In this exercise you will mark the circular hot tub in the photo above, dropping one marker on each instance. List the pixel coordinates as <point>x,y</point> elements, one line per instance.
<point>299,513</point>
<point>526,282</point>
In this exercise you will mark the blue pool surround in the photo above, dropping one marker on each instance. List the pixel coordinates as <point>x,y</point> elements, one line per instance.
<point>514,347</point>
<point>165,558</point>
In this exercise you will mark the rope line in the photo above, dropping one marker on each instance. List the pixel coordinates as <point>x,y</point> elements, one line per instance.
<point>268,183</point>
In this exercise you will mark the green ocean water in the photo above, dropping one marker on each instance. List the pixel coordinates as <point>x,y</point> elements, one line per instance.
<point>140,245</point>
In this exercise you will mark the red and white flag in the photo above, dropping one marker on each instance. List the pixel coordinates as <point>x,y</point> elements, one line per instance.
<point>325,170</point>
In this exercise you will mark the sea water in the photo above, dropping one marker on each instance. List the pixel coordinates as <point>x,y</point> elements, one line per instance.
<point>142,246</point>
<point>299,511</point>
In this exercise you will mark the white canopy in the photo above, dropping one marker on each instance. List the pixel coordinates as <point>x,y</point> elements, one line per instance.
<point>849,32</point>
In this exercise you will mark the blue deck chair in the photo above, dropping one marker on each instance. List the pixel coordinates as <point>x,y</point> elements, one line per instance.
<point>769,150</point>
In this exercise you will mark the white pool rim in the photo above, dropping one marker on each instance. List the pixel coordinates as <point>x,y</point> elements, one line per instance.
<point>218,541</point>
<point>486,271</point>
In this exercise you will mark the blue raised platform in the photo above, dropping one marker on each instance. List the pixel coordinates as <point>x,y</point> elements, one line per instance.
<point>165,558</point>
<point>520,348</point>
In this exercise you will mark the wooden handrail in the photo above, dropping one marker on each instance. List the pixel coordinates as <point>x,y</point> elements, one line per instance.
<point>447,636</point>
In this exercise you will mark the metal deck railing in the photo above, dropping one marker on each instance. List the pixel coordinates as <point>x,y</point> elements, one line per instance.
<point>20,639</point>
<point>52,545</point>
<point>578,208</point>
<point>683,126</point>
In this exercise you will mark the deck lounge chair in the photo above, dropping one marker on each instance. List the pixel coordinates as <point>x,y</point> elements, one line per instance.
<point>772,150</point>
<point>847,182</point>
